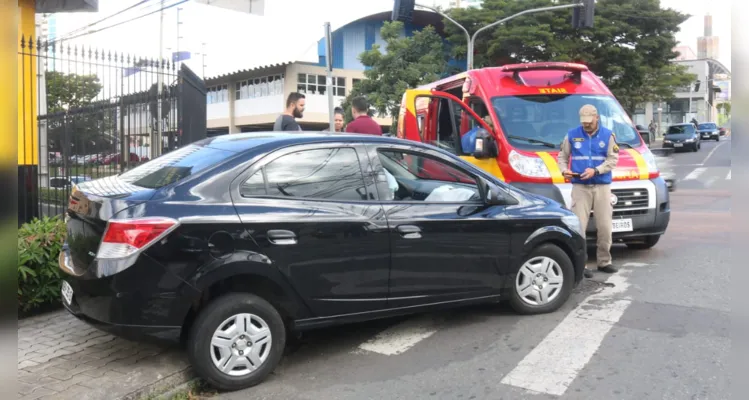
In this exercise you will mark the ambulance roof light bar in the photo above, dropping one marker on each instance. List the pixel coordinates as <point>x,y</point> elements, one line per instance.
<point>575,69</point>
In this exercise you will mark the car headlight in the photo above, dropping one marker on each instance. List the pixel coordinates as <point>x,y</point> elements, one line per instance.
<point>529,166</point>
<point>689,140</point>
<point>666,141</point>
<point>650,161</point>
<point>573,223</point>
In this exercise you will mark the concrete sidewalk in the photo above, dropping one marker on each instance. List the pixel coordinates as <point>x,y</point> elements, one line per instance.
<point>60,357</point>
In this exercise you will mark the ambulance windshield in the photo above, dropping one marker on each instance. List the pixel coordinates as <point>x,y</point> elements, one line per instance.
<point>548,118</point>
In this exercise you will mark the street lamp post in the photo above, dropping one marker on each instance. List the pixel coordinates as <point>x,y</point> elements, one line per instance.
<point>471,40</point>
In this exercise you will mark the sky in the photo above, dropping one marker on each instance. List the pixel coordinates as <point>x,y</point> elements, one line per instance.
<point>288,30</point>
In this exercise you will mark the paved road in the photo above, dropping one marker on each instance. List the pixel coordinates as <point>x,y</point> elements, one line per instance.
<point>656,330</point>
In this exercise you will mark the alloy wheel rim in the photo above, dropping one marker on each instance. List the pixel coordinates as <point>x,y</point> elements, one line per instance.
<point>539,281</point>
<point>240,344</point>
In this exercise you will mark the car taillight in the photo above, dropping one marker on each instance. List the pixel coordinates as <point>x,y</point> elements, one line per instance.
<point>124,238</point>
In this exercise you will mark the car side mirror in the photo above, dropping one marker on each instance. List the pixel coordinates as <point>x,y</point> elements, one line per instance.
<point>486,145</point>
<point>495,196</point>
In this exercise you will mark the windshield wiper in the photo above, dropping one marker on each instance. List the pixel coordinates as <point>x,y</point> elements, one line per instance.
<point>535,141</point>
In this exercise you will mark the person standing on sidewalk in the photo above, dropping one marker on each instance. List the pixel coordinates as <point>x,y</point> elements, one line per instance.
<point>594,153</point>
<point>286,122</point>
<point>362,122</point>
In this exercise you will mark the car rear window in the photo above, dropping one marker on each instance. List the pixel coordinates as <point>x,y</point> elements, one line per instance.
<point>175,166</point>
<point>679,129</point>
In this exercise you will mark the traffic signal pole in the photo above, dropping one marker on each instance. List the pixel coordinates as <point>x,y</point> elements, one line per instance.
<point>402,10</point>
<point>531,11</point>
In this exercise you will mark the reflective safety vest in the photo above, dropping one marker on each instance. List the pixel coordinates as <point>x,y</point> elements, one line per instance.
<point>589,152</point>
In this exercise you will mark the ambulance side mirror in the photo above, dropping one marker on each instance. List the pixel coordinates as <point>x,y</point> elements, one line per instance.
<point>486,145</point>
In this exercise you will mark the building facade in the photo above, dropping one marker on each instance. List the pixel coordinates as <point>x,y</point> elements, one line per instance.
<point>697,100</point>
<point>251,100</point>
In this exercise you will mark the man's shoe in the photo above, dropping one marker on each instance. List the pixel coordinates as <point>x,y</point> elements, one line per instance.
<point>609,269</point>
<point>587,273</point>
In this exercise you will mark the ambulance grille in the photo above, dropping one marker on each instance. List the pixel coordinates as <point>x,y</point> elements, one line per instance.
<point>630,200</point>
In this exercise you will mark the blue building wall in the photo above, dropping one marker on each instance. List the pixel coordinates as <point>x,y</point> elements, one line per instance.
<point>355,38</point>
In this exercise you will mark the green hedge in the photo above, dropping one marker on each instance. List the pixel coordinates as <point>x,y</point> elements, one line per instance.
<point>39,245</point>
<point>54,196</point>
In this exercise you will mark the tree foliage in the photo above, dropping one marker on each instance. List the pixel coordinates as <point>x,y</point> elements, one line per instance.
<point>407,62</point>
<point>77,123</point>
<point>630,46</point>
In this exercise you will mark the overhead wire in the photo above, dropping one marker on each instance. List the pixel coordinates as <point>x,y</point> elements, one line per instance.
<point>123,22</point>
<point>83,28</point>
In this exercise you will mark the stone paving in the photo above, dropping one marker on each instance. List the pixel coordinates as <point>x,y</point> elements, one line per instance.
<point>60,357</point>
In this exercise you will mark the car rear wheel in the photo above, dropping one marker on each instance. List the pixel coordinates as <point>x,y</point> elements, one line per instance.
<point>236,341</point>
<point>646,243</point>
<point>544,281</point>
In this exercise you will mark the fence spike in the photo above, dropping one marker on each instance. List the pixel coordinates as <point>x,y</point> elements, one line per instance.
<point>89,52</point>
<point>38,44</point>
<point>96,54</point>
<point>23,42</point>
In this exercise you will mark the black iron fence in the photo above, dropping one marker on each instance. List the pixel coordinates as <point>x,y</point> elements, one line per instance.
<point>87,113</point>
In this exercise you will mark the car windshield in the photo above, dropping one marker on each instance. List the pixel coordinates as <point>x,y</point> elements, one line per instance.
<point>680,129</point>
<point>707,126</point>
<point>174,166</point>
<point>538,121</point>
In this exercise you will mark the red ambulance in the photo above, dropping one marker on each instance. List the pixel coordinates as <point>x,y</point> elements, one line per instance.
<point>526,110</point>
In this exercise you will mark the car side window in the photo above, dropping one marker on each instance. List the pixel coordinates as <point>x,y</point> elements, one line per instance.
<point>323,174</point>
<point>415,177</point>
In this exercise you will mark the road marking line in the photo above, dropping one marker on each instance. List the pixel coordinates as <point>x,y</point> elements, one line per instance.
<point>555,363</point>
<point>401,337</point>
<point>728,177</point>
<point>695,173</point>
<point>711,152</point>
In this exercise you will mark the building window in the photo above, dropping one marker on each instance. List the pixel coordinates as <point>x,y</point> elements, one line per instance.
<point>264,86</point>
<point>217,94</point>
<point>315,84</point>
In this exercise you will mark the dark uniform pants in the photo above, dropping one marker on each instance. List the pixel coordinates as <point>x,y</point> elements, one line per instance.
<point>596,198</point>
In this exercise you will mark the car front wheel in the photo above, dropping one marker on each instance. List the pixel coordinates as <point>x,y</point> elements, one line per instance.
<point>544,281</point>
<point>236,341</point>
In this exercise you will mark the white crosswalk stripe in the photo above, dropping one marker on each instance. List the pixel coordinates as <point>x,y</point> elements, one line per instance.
<point>695,174</point>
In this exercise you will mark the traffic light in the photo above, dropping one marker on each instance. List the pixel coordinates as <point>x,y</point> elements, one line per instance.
<point>697,86</point>
<point>582,17</point>
<point>403,10</point>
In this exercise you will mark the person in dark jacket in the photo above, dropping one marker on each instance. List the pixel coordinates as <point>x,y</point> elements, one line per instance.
<point>286,122</point>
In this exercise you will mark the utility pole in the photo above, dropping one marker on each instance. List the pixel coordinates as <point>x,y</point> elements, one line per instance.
<point>156,144</point>
<point>329,80</point>
<point>178,36</point>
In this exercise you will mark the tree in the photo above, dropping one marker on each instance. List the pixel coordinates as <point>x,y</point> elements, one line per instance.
<point>407,63</point>
<point>630,46</point>
<point>76,122</point>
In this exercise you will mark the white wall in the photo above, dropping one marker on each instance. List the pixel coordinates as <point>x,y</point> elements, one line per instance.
<point>319,103</point>
<point>257,106</point>
<point>217,110</point>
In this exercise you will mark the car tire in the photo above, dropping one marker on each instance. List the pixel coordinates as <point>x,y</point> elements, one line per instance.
<point>561,266</point>
<point>226,311</point>
<point>717,139</point>
<point>647,243</point>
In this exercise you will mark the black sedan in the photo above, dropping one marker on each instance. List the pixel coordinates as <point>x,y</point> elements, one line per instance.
<point>708,131</point>
<point>229,244</point>
<point>682,137</point>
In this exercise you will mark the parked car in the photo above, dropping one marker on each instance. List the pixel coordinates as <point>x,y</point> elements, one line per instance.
<point>230,243</point>
<point>709,130</point>
<point>682,136</point>
<point>722,131</point>
<point>66,182</point>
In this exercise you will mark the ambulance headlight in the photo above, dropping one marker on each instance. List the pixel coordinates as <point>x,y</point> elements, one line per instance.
<point>529,166</point>
<point>650,161</point>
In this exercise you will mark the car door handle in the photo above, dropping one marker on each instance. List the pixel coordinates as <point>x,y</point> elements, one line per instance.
<point>281,237</point>
<point>409,231</point>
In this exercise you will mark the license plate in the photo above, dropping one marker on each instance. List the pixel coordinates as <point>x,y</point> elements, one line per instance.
<point>678,145</point>
<point>621,225</point>
<point>67,293</point>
